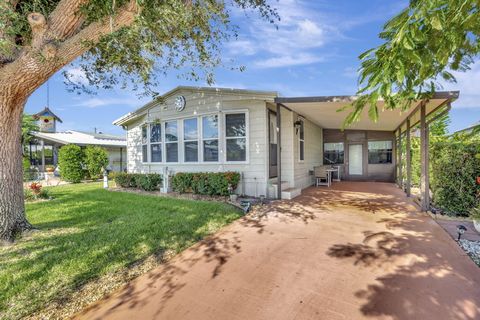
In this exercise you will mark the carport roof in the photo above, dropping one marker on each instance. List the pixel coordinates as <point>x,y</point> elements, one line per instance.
<point>323,110</point>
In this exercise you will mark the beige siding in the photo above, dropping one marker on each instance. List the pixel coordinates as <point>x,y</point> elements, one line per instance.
<point>313,154</point>
<point>254,170</point>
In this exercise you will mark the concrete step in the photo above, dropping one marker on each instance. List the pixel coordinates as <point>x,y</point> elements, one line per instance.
<point>291,193</point>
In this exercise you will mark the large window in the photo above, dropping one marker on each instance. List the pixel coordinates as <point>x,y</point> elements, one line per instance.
<point>379,152</point>
<point>171,141</point>
<point>144,143</point>
<point>301,141</point>
<point>333,153</point>
<point>236,136</point>
<point>190,140</point>
<point>210,138</point>
<point>156,142</point>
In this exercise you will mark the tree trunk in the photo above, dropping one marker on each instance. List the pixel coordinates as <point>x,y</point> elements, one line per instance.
<point>12,207</point>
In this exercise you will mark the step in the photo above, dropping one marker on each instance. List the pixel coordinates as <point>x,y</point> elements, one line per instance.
<point>285,184</point>
<point>291,193</point>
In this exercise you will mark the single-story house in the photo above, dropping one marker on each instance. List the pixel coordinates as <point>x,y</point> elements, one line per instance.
<point>270,140</point>
<point>43,148</point>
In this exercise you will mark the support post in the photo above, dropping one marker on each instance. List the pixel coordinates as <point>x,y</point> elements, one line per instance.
<point>409,161</point>
<point>400,171</point>
<point>121,159</point>
<point>424,180</point>
<point>279,155</point>
<point>42,143</point>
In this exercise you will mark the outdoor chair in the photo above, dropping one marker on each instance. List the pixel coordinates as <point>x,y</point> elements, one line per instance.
<point>322,177</point>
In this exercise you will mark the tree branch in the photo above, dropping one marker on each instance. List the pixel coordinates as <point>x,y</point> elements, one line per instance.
<point>38,24</point>
<point>65,20</point>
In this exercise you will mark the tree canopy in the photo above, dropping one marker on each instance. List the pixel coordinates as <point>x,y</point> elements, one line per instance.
<point>128,41</point>
<point>422,45</point>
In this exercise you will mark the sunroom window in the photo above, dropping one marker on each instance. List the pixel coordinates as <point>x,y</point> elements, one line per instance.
<point>190,140</point>
<point>144,143</point>
<point>210,138</point>
<point>156,142</point>
<point>171,141</point>
<point>236,136</point>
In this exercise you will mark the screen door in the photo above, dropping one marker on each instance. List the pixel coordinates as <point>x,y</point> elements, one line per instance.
<point>355,159</point>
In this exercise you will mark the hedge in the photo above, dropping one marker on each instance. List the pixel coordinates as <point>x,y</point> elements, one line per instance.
<point>205,183</point>
<point>455,166</point>
<point>147,182</point>
<point>70,161</point>
<point>96,159</point>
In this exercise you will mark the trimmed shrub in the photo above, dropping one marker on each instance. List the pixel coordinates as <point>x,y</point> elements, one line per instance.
<point>205,183</point>
<point>147,182</point>
<point>455,166</point>
<point>96,159</point>
<point>70,160</point>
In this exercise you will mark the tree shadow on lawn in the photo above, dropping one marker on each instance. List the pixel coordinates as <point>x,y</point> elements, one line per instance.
<point>422,273</point>
<point>85,237</point>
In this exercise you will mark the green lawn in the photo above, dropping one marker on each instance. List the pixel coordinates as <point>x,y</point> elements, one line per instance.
<point>87,232</point>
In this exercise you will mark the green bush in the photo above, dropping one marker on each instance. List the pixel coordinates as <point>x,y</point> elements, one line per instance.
<point>96,159</point>
<point>455,167</point>
<point>205,183</point>
<point>70,161</point>
<point>147,182</point>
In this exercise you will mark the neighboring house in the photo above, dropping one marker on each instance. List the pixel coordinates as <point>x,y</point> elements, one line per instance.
<point>43,148</point>
<point>213,129</point>
<point>470,129</point>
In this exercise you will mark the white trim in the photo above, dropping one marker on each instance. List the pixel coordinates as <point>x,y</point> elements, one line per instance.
<point>299,140</point>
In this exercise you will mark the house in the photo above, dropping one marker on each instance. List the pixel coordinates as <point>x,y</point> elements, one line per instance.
<point>43,148</point>
<point>271,140</point>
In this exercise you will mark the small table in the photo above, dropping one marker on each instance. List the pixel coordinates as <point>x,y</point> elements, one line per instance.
<point>332,170</point>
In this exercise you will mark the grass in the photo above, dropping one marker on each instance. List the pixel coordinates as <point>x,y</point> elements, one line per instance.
<point>87,232</point>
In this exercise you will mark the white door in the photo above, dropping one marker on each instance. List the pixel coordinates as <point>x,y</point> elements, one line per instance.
<point>355,159</point>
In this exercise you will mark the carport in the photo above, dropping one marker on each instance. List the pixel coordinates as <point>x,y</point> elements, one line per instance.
<point>397,125</point>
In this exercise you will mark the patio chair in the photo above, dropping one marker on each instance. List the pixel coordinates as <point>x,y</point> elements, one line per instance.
<point>322,177</point>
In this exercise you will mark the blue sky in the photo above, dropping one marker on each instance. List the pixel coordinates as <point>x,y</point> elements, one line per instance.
<point>314,52</point>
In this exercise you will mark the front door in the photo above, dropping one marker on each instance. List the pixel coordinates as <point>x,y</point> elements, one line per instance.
<point>355,160</point>
<point>272,137</point>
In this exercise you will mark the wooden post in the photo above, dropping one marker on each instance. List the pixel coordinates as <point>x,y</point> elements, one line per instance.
<point>400,173</point>
<point>424,182</point>
<point>279,155</point>
<point>409,160</point>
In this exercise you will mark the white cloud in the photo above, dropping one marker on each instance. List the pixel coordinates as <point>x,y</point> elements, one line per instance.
<point>467,83</point>
<point>294,42</point>
<point>103,102</point>
<point>76,75</point>
<point>286,61</point>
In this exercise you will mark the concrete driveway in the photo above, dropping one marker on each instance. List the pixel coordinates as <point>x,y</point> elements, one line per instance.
<point>354,251</point>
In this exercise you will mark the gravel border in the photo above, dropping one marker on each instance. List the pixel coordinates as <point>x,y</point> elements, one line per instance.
<point>472,248</point>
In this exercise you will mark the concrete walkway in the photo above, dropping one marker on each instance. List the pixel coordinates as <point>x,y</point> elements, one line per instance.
<point>354,251</point>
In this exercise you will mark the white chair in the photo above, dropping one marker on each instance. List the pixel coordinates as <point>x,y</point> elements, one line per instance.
<point>322,177</point>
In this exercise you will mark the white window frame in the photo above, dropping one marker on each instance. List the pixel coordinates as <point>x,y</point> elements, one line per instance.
<point>150,143</point>
<point>246,137</point>
<point>197,140</point>
<point>147,143</point>
<point>178,142</point>
<point>299,139</point>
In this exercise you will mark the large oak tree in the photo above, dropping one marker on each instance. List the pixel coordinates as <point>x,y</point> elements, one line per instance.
<point>118,40</point>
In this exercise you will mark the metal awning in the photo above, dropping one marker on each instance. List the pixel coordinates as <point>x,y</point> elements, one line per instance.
<point>323,110</point>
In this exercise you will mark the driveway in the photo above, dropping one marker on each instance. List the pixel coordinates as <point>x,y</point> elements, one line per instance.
<point>355,251</point>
